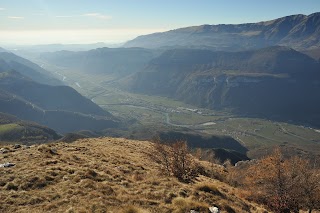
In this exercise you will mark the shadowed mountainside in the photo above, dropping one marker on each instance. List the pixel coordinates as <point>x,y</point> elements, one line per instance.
<point>59,107</point>
<point>274,82</point>
<point>221,147</point>
<point>10,61</point>
<point>209,142</point>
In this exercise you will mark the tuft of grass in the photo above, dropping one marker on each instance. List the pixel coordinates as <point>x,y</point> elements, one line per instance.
<point>182,205</point>
<point>229,209</point>
<point>169,197</point>
<point>137,176</point>
<point>12,186</point>
<point>131,209</point>
<point>34,183</point>
<point>45,149</point>
<point>209,188</point>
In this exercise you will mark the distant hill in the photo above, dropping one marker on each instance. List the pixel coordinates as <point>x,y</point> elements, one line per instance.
<point>222,147</point>
<point>203,141</point>
<point>115,61</point>
<point>10,61</point>
<point>13,129</point>
<point>274,82</point>
<point>59,107</point>
<point>296,31</point>
<point>48,97</point>
<point>59,47</point>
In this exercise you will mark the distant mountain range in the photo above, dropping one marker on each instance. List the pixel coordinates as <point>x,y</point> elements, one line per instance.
<point>268,69</point>
<point>116,61</point>
<point>58,107</point>
<point>274,82</point>
<point>59,47</point>
<point>296,31</point>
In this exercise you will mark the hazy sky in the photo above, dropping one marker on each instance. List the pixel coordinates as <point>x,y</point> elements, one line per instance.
<point>89,21</point>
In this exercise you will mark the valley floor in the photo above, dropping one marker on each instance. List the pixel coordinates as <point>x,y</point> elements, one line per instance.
<point>258,135</point>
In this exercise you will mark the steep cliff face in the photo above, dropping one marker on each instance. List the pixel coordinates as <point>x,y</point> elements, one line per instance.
<point>215,91</point>
<point>260,95</point>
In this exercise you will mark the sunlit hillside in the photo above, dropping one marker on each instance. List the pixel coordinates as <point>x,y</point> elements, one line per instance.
<point>106,175</point>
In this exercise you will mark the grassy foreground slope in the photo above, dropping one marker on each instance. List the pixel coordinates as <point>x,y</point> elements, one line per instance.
<point>104,175</point>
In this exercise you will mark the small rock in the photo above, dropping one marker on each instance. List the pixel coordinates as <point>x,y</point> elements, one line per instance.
<point>25,147</point>
<point>4,150</point>
<point>193,211</point>
<point>6,165</point>
<point>17,146</point>
<point>214,209</point>
<point>53,151</point>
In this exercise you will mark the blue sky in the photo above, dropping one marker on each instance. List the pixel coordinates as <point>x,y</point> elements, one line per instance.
<point>88,21</point>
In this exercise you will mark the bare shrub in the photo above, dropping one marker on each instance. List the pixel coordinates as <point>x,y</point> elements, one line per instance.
<point>175,160</point>
<point>285,185</point>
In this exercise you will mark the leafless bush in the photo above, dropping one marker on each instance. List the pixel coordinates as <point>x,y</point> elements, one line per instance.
<point>175,160</point>
<point>285,185</point>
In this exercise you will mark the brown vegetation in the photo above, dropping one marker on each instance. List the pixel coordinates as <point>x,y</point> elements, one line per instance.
<point>106,175</point>
<point>175,160</point>
<point>284,185</point>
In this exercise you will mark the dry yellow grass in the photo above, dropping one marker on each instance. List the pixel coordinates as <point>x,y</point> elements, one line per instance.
<point>104,175</point>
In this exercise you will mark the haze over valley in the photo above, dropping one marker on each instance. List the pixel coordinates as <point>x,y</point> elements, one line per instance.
<point>240,92</point>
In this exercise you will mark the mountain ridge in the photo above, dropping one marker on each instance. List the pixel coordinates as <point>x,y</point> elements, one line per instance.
<point>114,61</point>
<point>297,31</point>
<point>10,61</point>
<point>59,107</point>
